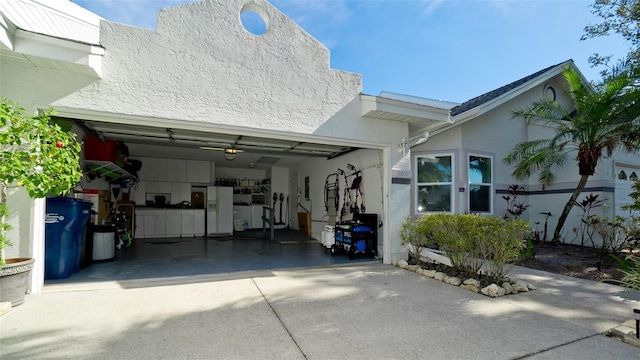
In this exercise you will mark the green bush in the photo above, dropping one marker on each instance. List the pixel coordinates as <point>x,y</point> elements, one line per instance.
<point>502,241</point>
<point>630,267</point>
<point>469,241</point>
<point>409,235</point>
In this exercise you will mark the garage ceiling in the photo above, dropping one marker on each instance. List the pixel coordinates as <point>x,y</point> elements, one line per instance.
<point>176,143</point>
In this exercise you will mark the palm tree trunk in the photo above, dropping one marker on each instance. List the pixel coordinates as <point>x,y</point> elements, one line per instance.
<point>567,208</point>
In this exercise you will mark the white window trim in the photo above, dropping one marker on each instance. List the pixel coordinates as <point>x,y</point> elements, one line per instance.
<point>416,184</point>
<point>469,183</point>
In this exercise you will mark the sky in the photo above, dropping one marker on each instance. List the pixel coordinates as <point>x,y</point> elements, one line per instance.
<point>452,50</point>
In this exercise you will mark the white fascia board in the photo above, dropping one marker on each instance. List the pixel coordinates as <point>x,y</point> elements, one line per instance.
<point>29,43</point>
<point>206,127</point>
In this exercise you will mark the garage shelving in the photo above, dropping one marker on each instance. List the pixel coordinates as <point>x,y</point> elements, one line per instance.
<point>107,168</point>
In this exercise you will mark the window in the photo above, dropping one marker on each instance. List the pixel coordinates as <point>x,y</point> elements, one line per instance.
<point>622,175</point>
<point>434,188</point>
<point>480,184</point>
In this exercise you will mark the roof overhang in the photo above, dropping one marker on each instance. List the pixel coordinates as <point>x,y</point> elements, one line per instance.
<point>419,117</point>
<point>50,52</point>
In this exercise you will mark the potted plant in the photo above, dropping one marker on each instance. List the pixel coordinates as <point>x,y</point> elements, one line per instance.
<point>44,159</point>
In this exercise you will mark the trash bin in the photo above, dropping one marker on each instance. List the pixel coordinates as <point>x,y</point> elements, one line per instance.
<point>104,245</point>
<point>65,222</point>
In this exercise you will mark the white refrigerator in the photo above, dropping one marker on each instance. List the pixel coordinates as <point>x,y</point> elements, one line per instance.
<point>219,210</point>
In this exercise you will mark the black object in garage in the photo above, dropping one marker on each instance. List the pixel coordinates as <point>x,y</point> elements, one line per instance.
<point>358,236</point>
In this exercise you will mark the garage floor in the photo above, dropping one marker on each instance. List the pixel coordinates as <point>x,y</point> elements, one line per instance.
<point>173,257</point>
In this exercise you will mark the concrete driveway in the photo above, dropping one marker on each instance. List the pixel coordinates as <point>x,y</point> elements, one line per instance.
<point>365,311</point>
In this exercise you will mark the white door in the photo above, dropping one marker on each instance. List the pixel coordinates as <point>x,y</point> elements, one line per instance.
<point>625,176</point>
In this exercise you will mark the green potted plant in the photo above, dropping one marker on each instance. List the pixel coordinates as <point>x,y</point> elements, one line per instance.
<point>44,159</point>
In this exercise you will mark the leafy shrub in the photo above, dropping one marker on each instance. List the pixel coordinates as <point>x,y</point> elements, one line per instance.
<point>617,235</point>
<point>504,240</point>
<point>630,267</point>
<point>469,241</point>
<point>409,235</point>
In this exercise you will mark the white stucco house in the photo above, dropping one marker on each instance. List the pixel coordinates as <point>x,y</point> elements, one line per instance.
<point>202,79</point>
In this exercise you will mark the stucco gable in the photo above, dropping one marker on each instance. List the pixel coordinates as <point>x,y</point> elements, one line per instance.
<point>202,65</point>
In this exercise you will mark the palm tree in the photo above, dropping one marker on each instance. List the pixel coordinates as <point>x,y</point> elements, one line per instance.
<point>605,119</point>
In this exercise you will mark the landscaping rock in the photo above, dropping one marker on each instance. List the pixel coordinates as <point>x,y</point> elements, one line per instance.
<point>413,268</point>
<point>473,282</point>
<point>531,286</point>
<point>471,287</point>
<point>493,290</point>
<point>508,288</point>
<point>429,273</point>
<point>403,264</point>
<point>455,281</point>
<point>439,276</point>
<point>520,286</point>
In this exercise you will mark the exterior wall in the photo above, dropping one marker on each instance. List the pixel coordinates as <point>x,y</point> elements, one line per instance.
<point>202,65</point>
<point>30,86</point>
<point>494,133</point>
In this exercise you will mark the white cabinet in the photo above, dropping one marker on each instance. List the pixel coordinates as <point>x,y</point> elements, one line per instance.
<point>173,223</point>
<point>198,223</point>
<point>153,169</point>
<point>139,234</point>
<point>199,171</point>
<point>159,225</point>
<point>187,223</point>
<point>158,187</point>
<point>176,170</point>
<point>162,223</point>
<point>148,221</point>
<point>180,191</point>
<point>153,222</point>
<point>139,193</point>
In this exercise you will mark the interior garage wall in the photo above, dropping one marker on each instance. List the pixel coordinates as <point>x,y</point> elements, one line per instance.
<point>317,169</point>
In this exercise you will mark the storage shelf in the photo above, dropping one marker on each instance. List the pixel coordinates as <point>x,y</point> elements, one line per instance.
<point>107,168</point>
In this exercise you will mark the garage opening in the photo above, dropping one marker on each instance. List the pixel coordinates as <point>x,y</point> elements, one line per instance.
<point>185,201</point>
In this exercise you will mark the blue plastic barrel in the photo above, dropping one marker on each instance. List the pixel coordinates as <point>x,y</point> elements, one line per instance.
<point>65,222</point>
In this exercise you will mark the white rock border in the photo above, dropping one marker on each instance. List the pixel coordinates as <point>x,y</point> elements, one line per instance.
<point>493,290</point>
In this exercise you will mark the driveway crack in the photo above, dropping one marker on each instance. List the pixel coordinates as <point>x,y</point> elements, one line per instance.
<point>555,347</point>
<point>279,318</point>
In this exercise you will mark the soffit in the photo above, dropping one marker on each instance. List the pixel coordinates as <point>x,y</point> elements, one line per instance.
<point>417,115</point>
<point>60,19</point>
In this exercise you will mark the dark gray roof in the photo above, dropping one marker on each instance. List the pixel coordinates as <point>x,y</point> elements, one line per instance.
<point>479,100</point>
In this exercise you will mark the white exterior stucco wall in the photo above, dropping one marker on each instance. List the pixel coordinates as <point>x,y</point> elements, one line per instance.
<point>202,65</point>
<point>495,133</point>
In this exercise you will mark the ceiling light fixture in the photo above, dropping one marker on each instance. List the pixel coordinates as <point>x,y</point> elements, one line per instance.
<point>230,153</point>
